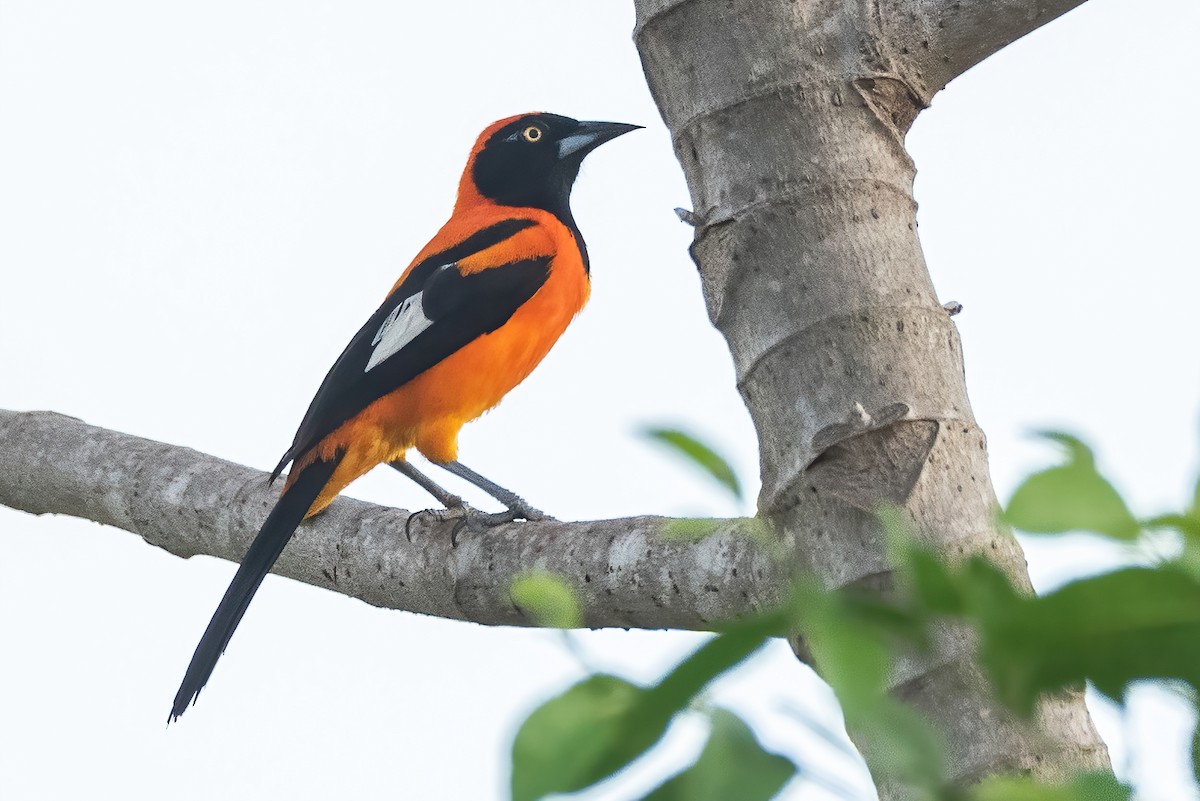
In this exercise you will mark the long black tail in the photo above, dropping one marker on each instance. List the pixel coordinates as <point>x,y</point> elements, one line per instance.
<point>272,537</point>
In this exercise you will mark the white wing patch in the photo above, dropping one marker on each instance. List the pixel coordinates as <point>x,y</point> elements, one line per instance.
<point>401,327</point>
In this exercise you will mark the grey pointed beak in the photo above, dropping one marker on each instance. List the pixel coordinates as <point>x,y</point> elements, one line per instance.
<point>590,135</point>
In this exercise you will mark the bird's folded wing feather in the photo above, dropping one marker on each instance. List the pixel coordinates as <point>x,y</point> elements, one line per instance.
<point>431,314</point>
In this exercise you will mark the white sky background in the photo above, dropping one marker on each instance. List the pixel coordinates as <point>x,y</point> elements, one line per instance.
<point>199,203</point>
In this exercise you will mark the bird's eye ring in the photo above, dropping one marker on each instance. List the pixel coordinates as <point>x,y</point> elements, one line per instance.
<point>532,134</point>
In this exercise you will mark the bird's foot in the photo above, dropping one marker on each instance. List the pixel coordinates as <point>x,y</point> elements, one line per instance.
<point>521,510</point>
<point>468,517</point>
<point>475,519</point>
<point>453,511</point>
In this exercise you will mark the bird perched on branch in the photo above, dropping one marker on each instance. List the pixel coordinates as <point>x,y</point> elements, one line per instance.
<point>469,319</point>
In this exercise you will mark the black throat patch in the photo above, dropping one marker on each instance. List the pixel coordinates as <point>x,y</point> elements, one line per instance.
<point>514,172</point>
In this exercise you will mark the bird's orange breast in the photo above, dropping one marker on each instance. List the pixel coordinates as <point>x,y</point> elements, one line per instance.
<point>428,412</point>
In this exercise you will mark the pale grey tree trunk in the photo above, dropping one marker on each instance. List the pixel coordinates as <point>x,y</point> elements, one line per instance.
<point>789,118</point>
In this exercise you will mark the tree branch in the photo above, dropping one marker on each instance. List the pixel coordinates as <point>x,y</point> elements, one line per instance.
<point>939,40</point>
<point>624,572</point>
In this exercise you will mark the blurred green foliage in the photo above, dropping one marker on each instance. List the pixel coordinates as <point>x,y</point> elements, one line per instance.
<point>1133,624</point>
<point>695,452</point>
<point>1071,497</point>
<point>732,765</point>
<point>547,599</point>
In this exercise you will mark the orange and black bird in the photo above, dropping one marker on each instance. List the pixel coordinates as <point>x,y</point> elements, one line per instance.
<point>469,319</point>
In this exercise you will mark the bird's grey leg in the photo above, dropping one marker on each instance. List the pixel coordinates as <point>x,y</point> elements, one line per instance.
<point>444,496</point>
<point>517,506</point>
<point>456,507</point>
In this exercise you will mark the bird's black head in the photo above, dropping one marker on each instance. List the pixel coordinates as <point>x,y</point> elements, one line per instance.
<point>532,160</point>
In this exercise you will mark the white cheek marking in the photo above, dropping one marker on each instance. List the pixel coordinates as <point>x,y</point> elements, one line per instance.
<point>401,327</point>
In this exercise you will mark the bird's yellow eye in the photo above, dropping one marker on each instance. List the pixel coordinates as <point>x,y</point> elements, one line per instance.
<point>532,133</point>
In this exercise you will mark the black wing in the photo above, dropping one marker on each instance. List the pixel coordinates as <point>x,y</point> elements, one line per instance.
<point>459,309</point>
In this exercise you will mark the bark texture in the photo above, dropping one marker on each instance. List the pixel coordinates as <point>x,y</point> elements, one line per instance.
<point>789,120</point>
<point>190,503</point>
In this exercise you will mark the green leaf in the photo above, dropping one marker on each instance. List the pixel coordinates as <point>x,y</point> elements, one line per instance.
<point>603,723</point>
<point>733,765</point>
<point>1112,629</point>
<point>1077,450</point>
<point>852,659</point>
<point>695,529</point>
<point>1185,524</point>
<point>1087,787</point>
<point>546,598</point>
<point>921,571</point>
<point>583,736</point>
<point>932,582</point>
<point>1189,560</point>
<point>852,637</point>
<point>849,637</point>
<point>698,454</point>
<point>988,593</point>
<point>1196,754</point>
<point>689,678</point>
<point>1071,497</point>
<point>903,744</point>
<point>691,529</point>
<point>926,576</point>
<point>1099,787</point>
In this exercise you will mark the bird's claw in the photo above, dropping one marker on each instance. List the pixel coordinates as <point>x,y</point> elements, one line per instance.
<point>470,517</point>
<point>467,516</point>
<point>459,511</point>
